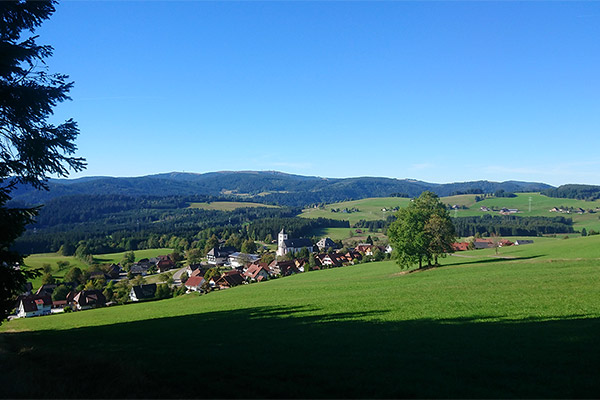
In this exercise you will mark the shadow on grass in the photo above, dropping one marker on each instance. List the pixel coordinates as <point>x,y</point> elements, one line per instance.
<point>493,259</point>
<point>301,353</point>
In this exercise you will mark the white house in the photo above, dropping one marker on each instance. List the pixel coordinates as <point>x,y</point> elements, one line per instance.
<point>325,244</point>
<point>238,259</point>
<point>195,283</point>
<point>143,292</point>
<point>257,272</point>
<point>33,306</point>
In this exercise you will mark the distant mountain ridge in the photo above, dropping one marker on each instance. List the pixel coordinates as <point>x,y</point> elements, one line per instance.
<point>264,186</point>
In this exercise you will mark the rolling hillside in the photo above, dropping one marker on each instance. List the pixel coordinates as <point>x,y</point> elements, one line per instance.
<point>521,324</point>
<point>263,186</point>
<point>371,209</point>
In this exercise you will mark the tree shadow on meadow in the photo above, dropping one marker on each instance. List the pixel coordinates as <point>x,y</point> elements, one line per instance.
<point>284,352</point>
<point>492,259</point>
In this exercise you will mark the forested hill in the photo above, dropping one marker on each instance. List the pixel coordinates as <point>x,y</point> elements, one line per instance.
<point>263,186</point>
<point>581,192</point>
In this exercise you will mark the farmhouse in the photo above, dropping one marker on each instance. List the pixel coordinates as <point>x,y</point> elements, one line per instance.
<point>114,271</point>
<point>285,245</point>
<point>34,305</point>
<point>196,269</point>
<point>462,246</point>
<point>482,243</point>
<point>326,243</point>
<point>46,289</point>
<point>164,263</point>
<point>143,292</point>
<point>140,268</point>
<point>87,299</point>
<point>365,248</point>
<point>219,255</point>
<point>331,260</point>
<point>257,272</point>
<point>283,268</point>
<point>238,259</point>
<point>195,283</point>
<point>228,279</point>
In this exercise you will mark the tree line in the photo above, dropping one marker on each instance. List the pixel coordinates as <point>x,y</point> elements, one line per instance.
<point>511,225</point>
<point>580,192</point>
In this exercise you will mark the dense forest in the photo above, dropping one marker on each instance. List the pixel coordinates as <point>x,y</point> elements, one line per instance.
<point>111,223</point>
<point>580,192</point>
<point>510,225</point>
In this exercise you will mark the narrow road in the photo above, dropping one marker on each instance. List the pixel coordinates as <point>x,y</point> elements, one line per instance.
<point>177,275</point>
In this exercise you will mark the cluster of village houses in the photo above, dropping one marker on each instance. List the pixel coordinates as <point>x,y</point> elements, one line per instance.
<point>481,243</point>
<point>242,268</point>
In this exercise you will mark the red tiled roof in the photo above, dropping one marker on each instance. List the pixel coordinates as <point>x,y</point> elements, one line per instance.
<point>463,246</point>
<point>194,281</point>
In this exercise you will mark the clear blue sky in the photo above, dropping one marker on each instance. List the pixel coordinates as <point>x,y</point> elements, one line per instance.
<point>437,91</point>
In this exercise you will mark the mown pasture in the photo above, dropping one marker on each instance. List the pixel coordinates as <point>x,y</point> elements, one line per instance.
<point>524,323</point>
<point>38,261</point>
<point>371,209</point>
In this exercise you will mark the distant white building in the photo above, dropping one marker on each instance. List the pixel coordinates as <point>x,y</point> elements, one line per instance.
<point>285,245</point>
<point>238,259</point>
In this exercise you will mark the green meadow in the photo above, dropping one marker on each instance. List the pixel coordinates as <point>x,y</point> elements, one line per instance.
<point>38,260</point>
<point>523,323</point>
<point>371,209</point>
<point>228,205</point>
<point>349,238</point>
<point>540,207</point>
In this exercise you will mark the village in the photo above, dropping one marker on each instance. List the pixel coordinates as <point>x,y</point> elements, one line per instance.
<point>224,268</point>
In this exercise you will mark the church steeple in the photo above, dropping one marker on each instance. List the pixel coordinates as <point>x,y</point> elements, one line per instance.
<point>280,245</point>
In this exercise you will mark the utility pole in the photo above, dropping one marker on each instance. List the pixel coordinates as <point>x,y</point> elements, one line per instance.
<point>529,203</point>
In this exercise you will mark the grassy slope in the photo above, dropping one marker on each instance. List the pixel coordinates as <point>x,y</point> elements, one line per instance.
<point>228,205</point>
<point>38,260</point>
<point>370,209</point>
<point>480,327</point>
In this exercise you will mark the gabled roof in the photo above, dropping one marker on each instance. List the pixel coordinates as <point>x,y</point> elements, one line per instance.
<point>221,251</point>
<point>197,272</point>
<point>90,297</point>
<point>46,289</point>
<point>326,242</point>
<point>460,246</point>
<point>297,243</point>
<point>145,291</point>
<point>288,270</point>
<point>254,269</point>
<point>194,281</point>
<point>30,303</point>
<point>231,278</point>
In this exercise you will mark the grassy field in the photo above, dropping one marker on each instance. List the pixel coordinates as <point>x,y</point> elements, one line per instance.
<point>38,260</point>
<point>228,205</point>
<point>348,238</point>
<point>139,254</point>
<point>540,207</point>
<point>370,209</point>
<point>525,323</point>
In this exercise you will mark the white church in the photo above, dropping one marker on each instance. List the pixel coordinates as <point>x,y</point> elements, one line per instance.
<point>285,245</point>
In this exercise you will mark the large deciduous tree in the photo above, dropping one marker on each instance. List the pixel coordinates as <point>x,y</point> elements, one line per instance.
<point>31,148</point>
<point>422,232</point>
